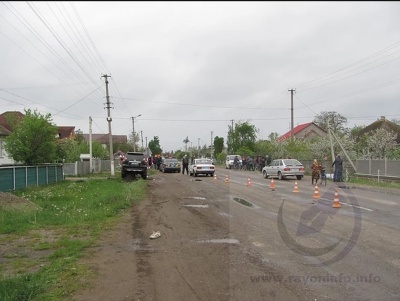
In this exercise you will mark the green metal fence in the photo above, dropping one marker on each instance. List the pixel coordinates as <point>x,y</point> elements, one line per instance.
<point>17,177</point>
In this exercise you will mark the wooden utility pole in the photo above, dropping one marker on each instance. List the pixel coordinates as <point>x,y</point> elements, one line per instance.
<point>109,119</point>
<point>90,145</point>
<point>291,115</point>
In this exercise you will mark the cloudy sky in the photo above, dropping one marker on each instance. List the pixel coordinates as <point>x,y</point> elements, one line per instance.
<point>191,69</point>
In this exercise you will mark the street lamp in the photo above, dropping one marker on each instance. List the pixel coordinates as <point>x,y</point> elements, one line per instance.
<point>133,128</point>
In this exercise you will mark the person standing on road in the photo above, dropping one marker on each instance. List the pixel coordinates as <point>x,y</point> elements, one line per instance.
<point>338,163</point>
<point>185,164</point>
<point>315,172</point>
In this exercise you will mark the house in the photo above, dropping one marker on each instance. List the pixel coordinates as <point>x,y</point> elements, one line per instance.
<point>4,158</point>
<point>9,118</point>
<point>104,139</point>
<point>382,123</point>
<point>304,131</point>
<point>66,132</point>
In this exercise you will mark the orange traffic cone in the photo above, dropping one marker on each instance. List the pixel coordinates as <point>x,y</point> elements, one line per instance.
<point>215,176</point>
<point>316,193</point>
<point>295,189</point>
<point>272,185</point>
<point>336,203</point>
<point>248,182</point>
<point>226,179</point>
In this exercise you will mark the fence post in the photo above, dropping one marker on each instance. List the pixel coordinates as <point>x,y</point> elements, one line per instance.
<point>385,166</point>
<point>13,178</point>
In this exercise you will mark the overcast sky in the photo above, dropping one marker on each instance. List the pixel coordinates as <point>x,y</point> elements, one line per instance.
<point>192,68</point>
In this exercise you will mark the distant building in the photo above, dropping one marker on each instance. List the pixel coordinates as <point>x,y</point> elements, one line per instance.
<point>7,121</point>
<point>304,131</point>
<point>4,158</point>
<point>66,132</point>
<point>104,139</point>
<point>382,123</point>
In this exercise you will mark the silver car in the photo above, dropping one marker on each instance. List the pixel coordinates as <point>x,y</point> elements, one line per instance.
<point>282,168</point>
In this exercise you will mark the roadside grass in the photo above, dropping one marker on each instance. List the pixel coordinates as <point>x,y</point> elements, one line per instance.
<point>41,243</point>
<point>374,182</point>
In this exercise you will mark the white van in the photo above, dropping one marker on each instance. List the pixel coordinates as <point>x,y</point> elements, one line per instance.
<point>229,161</point>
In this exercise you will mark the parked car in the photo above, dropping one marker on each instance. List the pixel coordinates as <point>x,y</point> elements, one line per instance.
<point>282,168</point>
<point>229,161</point>
<point>135,163</point>
<point>170,165</point>
<point>201,166</point>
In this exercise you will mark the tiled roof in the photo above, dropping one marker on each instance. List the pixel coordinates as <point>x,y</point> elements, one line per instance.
<point>6,116</point>
<point>296,130</point>
<point>4,131</point>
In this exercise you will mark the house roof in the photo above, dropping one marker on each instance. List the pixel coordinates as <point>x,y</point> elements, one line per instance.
<point>4,131</point>
<point>382,123</point>
<point>104,139</point>
<point>296,130</point>
<point>65,131</point>
<point>9,115</point>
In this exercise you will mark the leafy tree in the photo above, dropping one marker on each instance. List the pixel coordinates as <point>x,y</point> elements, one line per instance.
<point>154,145</point>
<point>69,150</point>
<point>33,139</point>
<point>337,122</point>
<point>380,143</point>
<point>134,141</point>
<point>264,148</point>
<point>273,136</point>
<point>245,151</point>
<point>218,146</point>
<point>244,135</point>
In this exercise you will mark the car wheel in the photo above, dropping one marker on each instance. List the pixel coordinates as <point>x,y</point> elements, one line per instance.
<point>298,177</point>
<point>195,174</point>
<point>144,175</point>
<point>280,175</point>
<point>265,175</point>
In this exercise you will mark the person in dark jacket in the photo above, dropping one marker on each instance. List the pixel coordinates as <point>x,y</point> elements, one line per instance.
<point>185,164</point>
<point>338,163</point>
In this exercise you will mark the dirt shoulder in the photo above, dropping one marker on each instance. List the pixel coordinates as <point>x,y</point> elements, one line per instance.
<point>197,256</point>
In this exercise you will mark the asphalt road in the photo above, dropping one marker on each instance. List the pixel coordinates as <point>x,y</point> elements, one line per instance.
<point>241,240</point>
<point>294,232</point>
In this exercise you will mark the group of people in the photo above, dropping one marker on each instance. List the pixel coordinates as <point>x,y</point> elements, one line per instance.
<point>251,163</point>
<point>316,169</point>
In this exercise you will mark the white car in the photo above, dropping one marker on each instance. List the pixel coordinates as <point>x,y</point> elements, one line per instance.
<point>282,168</point>
<point>229,161</point>
<point>201,166</point>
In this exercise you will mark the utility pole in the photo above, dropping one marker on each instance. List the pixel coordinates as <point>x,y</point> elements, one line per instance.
<point>109,119</point>
<point>212,145</point>
<point>198,147</point>
<point>90,144</point>
<point>141,135</point>
<point>291,111</point>
<point>134,135</point>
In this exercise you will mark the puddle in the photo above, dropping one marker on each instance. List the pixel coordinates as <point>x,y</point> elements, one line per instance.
<point>196,197</point>
<point>197,206</point>
<point>221,241</point>
<point>243,202</point>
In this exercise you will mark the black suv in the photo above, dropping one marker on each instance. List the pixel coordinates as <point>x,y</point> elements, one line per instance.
<point>134,164</point>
